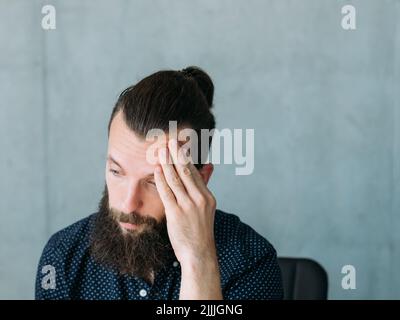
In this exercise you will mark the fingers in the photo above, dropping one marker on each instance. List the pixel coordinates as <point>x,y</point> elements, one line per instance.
<point>171,177</point>
<point>166,194</point>
<point>181,163</point>
<point>179,182</point>
<point>187,172</point>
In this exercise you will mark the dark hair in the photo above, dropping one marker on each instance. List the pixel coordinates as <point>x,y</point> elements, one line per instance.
<point>184,96</point>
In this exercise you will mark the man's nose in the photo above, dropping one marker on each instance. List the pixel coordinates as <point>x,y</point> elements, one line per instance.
<point>132,200</point>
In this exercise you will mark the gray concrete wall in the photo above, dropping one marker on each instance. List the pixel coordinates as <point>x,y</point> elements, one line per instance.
<point>324,104</point>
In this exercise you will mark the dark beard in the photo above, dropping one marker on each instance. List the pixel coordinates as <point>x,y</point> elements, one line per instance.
<point>134,252</point>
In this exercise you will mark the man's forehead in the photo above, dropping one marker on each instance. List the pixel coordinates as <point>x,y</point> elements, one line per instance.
<point>131,144</point>
<point>126,147</point>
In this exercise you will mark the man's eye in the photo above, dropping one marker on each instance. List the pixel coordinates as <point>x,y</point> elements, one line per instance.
<point>114,172</point>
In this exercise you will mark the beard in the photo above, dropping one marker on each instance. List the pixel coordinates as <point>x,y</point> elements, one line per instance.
<point>139,252</point>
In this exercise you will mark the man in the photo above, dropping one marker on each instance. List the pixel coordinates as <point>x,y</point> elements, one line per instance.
<point>157,234</point>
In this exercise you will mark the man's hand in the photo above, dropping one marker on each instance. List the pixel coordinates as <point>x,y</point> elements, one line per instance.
<point>190,210</point>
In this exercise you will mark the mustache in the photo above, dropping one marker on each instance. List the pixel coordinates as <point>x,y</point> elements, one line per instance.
<point>133,217</point>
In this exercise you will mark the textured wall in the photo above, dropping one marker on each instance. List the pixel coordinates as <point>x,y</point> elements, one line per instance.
<point>324,104</point>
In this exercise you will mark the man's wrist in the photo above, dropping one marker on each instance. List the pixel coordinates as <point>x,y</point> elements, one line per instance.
<point>201,279</point>
<point>200,261</point>
<point>200,264</point>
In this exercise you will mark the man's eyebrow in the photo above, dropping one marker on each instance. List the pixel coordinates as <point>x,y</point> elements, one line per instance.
<point>110,158</point>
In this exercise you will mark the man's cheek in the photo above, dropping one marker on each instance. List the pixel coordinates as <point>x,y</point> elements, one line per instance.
<point>112,199</point>
<point>154,206</point>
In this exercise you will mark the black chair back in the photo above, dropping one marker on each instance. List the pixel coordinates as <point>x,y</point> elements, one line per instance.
<point>303,279</point>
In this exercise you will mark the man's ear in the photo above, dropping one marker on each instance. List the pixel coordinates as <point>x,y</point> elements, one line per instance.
<point>206,172</point>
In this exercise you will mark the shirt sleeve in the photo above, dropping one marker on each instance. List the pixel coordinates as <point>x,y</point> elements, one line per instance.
<point>50,278</point>
<point>261,281</point>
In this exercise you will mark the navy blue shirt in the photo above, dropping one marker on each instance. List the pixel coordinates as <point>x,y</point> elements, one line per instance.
<point>247,262</point>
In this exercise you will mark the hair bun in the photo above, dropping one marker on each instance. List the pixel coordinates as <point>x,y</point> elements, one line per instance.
<point>203,81</point>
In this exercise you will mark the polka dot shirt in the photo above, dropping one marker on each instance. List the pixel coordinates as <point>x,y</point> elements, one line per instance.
<point>247,262</point>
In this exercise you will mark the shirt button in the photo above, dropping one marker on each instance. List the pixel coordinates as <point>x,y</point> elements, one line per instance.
<point>143,293</point>
<point>175,264</point>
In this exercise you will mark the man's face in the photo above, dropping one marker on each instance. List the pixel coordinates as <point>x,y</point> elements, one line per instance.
<point>130,231</point>
<point>130,177</point>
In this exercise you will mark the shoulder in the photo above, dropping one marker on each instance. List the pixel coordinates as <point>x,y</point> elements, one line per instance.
<point>231,232</point>
<point>248,261</point>
<point>74,237</point>
<point>238,244</point>
<point>60,258</point>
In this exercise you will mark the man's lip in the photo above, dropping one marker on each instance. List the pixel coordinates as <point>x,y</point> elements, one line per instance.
<point>127,225</point>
